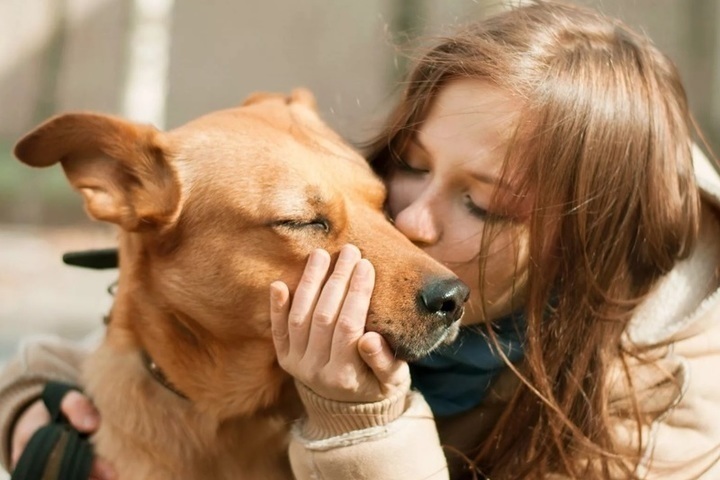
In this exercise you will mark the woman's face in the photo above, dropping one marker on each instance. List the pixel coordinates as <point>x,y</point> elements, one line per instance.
<point>440,198</point>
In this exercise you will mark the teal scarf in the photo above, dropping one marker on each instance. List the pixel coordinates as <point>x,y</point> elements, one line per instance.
<point>456,377</point>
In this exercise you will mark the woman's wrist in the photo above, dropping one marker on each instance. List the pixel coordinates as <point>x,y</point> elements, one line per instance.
<point>329,418</point>
<point>14,401</point>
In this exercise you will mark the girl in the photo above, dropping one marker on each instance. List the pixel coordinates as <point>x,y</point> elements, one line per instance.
<point>544,155</point>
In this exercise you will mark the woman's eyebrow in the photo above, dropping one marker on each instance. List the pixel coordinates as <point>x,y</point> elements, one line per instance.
<point>487,178</point>
<point>415,140</point>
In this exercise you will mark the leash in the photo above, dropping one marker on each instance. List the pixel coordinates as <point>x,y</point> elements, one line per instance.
<point>100,259</point>
<point>56,451</point>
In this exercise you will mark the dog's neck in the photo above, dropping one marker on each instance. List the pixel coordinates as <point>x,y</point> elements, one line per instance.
<point>233,416</point>
<point>146,412</point>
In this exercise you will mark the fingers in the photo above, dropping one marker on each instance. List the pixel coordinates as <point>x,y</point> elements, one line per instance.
<point>80,411</point>
<point>376,353</point>
<point>279,309</point>
<point>304,301</point>
<point>34,417</point>
<point>82,415</point>
<point>329,305</point>
<point>319,335</point>
<point>353,316</point>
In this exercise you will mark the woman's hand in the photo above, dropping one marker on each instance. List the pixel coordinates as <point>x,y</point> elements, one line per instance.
<point>321,341</point>
<point>81,414</point>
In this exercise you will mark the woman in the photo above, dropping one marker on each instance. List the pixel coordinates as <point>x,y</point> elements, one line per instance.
<point>552,147</point>
<point>544,155</point>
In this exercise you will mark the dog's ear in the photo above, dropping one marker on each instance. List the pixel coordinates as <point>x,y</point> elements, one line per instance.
<point>259,97</point>
<point>120,168</point>
<point>299,95</point>
<point>305,97</point>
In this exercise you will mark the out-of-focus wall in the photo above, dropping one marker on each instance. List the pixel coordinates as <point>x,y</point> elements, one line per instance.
<point>73,54</point>
<point>222,51</point>
<point>688,31</point>
<point>57,55</point>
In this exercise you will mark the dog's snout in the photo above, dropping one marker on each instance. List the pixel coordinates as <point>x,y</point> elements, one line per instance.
<point>445,298</point>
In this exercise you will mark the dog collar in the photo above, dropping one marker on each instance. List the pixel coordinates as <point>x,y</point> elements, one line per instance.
<point>159,375</point>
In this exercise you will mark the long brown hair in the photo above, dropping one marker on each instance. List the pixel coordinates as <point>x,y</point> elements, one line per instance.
<point>602,156</point>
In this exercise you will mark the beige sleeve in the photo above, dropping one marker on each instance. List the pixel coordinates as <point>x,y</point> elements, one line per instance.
<point>39,360</point>
<point>367,441</point>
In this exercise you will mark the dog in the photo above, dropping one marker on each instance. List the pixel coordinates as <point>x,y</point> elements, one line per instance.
<point>210,214</point>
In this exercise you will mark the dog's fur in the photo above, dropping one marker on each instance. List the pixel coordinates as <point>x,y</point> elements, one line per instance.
<point>210,214</point>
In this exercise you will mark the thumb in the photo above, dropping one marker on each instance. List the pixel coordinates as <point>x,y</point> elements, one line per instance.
<point>80,411</point>
<point>376,353</point>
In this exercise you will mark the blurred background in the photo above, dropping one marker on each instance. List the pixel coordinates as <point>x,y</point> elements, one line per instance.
<point>167,61</point>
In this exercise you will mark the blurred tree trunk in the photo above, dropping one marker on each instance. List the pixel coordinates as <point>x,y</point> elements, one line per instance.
<point>148,60</point>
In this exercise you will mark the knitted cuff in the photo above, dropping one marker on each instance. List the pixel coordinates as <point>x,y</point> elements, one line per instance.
<point>13,402</point>
<point>327,418</point>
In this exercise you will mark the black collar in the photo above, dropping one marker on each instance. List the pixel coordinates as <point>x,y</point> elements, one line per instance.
<point>159,375</point>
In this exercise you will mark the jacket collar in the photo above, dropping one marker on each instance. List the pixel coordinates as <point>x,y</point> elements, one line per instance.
<point>691,288</point>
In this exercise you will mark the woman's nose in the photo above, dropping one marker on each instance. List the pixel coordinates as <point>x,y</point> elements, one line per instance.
<point>418,222</point>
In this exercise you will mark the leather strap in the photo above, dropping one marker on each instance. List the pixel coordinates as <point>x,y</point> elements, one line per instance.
<point>100,259</point>
<point>56,451</point>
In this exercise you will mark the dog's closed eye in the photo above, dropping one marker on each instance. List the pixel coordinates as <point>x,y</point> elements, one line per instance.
<point>319,223</point>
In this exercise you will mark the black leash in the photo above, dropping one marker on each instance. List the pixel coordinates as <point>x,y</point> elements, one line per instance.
<point>56,451</point>
<point>97,259</point>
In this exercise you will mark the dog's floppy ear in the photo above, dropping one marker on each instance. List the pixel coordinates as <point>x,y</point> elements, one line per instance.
<point>120,168</point>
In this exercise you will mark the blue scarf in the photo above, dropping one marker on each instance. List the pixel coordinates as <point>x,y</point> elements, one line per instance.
<point>455,378</point>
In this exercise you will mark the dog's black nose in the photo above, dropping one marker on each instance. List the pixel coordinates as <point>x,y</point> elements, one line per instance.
<point>444,298</point>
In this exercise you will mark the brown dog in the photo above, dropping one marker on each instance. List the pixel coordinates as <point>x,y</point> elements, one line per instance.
<point>210,214</point>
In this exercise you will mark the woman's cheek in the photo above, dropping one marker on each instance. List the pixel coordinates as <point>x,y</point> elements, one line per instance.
<point>505,281</point>
<point>473,311</point>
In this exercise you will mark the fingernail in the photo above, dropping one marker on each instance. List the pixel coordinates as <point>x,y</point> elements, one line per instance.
<point>371,345</point>
<point>362,269</point>
<point>274,291</point>
<point>349,250</point>
<point>89,421</point>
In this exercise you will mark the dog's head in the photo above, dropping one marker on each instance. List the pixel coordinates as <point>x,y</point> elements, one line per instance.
<point>214,211</point>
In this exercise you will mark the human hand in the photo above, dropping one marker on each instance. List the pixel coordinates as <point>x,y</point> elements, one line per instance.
<point>321,340</point>
<point>81,414</point>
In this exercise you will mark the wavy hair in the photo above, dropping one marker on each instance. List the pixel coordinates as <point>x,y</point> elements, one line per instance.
<point>601,160</point>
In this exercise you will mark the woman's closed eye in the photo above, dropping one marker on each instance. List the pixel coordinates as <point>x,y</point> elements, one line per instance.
<point>473,208</point>
<point>408,166</point>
